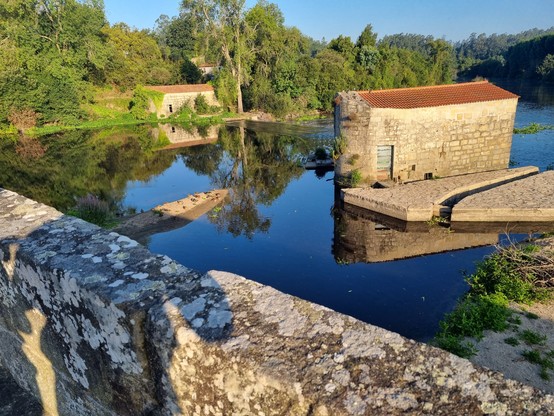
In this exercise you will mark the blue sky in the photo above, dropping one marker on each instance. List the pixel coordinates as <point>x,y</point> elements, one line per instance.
<point>454,20</point>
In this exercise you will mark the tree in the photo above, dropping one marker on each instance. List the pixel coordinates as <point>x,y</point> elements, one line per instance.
<point>136,58</point>
<point>225,23</point>
<point>367,38</point>
<point>56,49</point>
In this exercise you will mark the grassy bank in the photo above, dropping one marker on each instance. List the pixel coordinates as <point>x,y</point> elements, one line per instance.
<point>514,274</point>
<point>114,108</point>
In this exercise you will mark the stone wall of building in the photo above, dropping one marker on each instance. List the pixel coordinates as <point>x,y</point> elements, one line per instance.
<point>178,100</point>
<point>92,323</point>
<point>427,142</point>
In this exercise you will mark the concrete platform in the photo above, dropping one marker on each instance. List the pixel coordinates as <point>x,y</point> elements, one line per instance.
<point>419,201</point>
<point>529,199</point>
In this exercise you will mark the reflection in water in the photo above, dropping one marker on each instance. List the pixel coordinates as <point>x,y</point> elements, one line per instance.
<point>361,236</point>
<point>180,136</point>
<point>257,169</point>
<point>78,163</point>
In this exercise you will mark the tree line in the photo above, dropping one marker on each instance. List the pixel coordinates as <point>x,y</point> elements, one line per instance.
<point>55,55</point>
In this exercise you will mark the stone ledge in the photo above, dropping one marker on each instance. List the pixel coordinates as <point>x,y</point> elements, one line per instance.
<point>118,330</point>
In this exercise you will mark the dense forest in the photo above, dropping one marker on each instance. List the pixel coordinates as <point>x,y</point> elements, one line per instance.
<point>58,58</point>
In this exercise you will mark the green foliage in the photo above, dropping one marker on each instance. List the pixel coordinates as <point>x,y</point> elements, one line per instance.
<point>545,362</point>
<point>514,342</point>
<point>190,73</point>
<point>533,128</point>
<point>500,273</point>
<point>201,105</point>
<point>470,318</point>
<point>135,58</point>
<point>532,338</point>
<point>92,209</point>
<point>526,55</point>
<point>339,146</point>
<point>320,153</point>
<point>355,178</point>
<point>507,275</point>
<point>138,107</point>
<point>546,69</point>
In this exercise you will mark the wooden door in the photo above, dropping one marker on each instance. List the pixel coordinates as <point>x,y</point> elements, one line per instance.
<point>385,156</point>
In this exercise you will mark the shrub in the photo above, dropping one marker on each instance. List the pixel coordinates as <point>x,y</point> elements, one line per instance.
<point>92,209</point>
<point>320,153</point>
<point>201,104</point>
<point>29,148</point>
<point>23,119</point>
<point>355,178</point>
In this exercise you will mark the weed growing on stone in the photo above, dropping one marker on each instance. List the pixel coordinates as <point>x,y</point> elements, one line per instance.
<point>355,178</point>
<point>512,341</point>
<point>532,338</point>
<point>533,128</point>
<point>545,361</point>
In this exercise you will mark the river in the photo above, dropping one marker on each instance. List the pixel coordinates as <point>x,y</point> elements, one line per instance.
<point>281,225</point>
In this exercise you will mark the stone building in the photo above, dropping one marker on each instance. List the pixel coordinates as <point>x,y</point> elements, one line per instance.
<point>176,96</point>
<point>419,133</point>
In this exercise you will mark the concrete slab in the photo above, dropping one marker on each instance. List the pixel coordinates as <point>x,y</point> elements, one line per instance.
<point>529,199</point>
<point>417,201</point>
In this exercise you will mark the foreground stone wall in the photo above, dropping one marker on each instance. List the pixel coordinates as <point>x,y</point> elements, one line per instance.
<point>439,141</point>
<point>93,323</point>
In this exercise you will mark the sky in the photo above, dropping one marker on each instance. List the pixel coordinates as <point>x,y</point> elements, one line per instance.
<point>452,20</point>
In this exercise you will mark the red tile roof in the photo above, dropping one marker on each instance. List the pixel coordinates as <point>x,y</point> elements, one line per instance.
<point>438,95</point>
<point>176,89</point>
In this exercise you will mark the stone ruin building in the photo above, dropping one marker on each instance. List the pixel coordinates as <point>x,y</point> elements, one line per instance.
<point>408,134</point>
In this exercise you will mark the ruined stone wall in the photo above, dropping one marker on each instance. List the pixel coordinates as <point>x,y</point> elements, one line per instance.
<point>94,324</point>
<point>179,100</point>
<point>437,141</point>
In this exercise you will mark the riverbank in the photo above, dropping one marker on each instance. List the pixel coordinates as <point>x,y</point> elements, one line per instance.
<point>515,338</point>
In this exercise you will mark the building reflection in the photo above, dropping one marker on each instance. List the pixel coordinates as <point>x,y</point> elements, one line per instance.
<point>180,136</point>
<point>361,236</point>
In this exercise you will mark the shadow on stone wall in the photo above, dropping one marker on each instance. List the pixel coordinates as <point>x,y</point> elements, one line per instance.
<point>90,318</point>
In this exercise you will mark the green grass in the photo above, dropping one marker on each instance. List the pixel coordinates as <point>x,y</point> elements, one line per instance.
<point>532,338</point>
<point>545,362</point>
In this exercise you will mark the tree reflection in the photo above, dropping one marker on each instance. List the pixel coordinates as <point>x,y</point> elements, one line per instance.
<point>78,163</point>
<point>257,169</point>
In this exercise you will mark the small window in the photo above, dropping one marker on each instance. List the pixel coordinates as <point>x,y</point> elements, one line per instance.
<point>428,176</point>
<point>170,108</point>
<point>413,167</point>
<point>172,129</point>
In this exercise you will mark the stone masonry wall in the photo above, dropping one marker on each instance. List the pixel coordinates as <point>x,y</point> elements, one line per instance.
<point>180,99</point>
<point>441,141</point>
<point>94,324</point>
